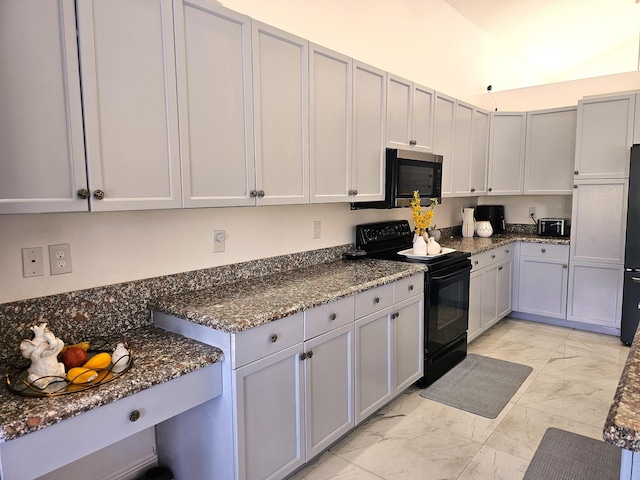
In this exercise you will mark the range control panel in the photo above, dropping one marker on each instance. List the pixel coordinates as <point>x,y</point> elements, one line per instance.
<point>383,235</point>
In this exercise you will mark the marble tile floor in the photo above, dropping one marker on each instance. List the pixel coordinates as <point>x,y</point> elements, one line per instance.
<point>574,378</point>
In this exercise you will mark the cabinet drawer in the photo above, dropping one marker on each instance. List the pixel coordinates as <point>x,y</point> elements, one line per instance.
<point>326,317</point>
<point>408,287</point>
<point>483,259</point>
<point>545,250</point>
<point>375,299</point>
<point>266,339</point>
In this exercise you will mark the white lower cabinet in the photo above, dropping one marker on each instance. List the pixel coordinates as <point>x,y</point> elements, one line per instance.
<point>543,279</point>
<point>294,386</point>
<point>389,344</point>
<point>489,288</point>
<point>595,294</point>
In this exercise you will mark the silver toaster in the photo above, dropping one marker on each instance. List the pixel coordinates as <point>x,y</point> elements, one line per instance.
<point>553,227</point>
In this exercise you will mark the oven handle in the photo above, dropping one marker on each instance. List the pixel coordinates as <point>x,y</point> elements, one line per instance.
<point>451,275</point>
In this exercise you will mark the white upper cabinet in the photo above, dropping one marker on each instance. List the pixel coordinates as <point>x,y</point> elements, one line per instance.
<point>330,125</point>
<point>42,164</point>
<point>443,135</point>
<point>281,121</point>
<point>550,151</point>
<point>368,141</point>
<point>213,60</point>
<point>479,152</point>
<point>130,107</point>
<point>604,136</point>
<point>461,165</point>
<point>409,115</point>
<point>599,220</point>
<point>506,153</point>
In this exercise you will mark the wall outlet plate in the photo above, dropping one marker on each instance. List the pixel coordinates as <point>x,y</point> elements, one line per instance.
<point>317,229</point>
<point>219,238</point>
<point>32,262</point>
<point>60,258</point>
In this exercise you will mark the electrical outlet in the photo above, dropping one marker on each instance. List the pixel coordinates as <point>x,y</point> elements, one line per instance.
<point>532,212</point>
<point>32,262</point>
<point>316,229</point>
<point>219,238</point>
<point>60,258</point>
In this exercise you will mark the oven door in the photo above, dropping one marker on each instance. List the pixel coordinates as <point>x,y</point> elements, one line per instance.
<point>448,314</point>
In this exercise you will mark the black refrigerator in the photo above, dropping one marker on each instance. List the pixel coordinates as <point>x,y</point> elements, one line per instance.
<point>631,290</point>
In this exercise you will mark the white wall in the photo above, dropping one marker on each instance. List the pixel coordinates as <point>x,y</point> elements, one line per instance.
<point>516,208</point>
<point>559,94</point>
<point>426,41</point>
<point>110,248</point>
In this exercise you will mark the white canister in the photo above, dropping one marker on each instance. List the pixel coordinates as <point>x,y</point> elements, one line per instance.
<point>484,228</point>
<point>467,222</point>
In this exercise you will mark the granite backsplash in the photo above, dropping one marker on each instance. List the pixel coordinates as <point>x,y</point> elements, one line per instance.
<point>103,311</point>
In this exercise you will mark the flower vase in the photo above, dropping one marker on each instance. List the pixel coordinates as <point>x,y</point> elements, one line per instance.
<point>419,245</point>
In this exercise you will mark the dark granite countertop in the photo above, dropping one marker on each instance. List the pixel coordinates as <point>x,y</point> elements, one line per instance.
<point>475,245</point>
<point>622,427</point>
<point>158,356</point>
<point>242,305</point>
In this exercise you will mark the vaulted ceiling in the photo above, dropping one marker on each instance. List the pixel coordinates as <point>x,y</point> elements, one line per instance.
<point>562,39</point>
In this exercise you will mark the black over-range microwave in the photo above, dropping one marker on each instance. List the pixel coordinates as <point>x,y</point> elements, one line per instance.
<point>407,171</point>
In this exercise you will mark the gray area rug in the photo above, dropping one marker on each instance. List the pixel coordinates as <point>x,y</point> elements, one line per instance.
<point>478,384</point>
<point>565,455</point>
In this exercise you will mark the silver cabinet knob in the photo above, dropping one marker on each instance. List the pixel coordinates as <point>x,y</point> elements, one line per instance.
<point>500,267</point>
<point>493,256</point>
<point>260,193</point>
<point>273,337</point>
<point>575,186</point>
<point>565,266</point>
<point>310,354</point>
<point>376,300</point>
<point>543,250</point>
<point>83,193</point>
<point>395,315</point>
<point>303,356</point>
<point>473,189</point>
<point>333,316</point>
<point>253,193</point>
<point>134,416</point>
<point>490,189</point>
<point>576,172</point>
<point>411,287</point>
<point>98,194</point>
<point>412,142</point>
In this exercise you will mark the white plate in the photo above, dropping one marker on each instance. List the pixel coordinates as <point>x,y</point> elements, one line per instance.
<point>409,253</point>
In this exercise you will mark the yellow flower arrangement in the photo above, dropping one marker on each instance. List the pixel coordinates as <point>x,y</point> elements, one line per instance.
<point>421,219</point>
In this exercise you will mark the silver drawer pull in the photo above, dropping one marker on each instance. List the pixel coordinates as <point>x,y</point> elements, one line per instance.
<point>135,415</point>
<point>376,300</point>
<point>333,316</point>
<point>273,338</point>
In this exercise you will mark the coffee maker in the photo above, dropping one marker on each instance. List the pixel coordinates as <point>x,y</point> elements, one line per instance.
<point>492,213</point>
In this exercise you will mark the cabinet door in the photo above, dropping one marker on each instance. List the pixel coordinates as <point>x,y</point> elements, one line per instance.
<point>604,136</point>
<point>270,408</point>
<point>443,126</point>
<point>408,342</point>
<point>489,313</point>
<point>550,151</point>
<point>542,287</point>
<point>504,278</point>
<point>127,64</point>
<point>595,294</point>
<point>42,163</point>
<point>329,391</point>
<point>213,60</point>
<point>461,162</point>
<point>479,152</point>
<point>330,91</point>
<point>399,112</point>
<point>423,103</point>
<point>280,82</point>
<point>475,306</point>
<point>373,363</point>
<point>599,218</point>
<point>369,117</point>
<point>506,153</point>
